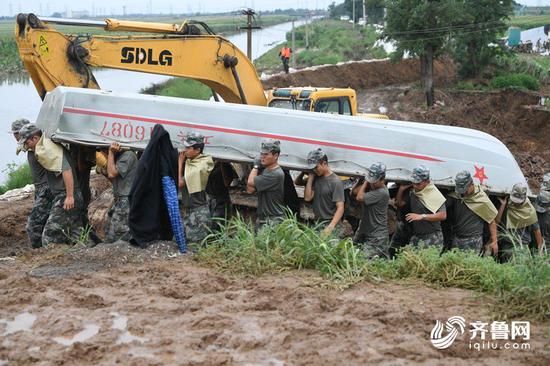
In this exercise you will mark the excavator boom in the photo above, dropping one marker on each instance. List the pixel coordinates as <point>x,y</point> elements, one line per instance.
<point>55,59</point>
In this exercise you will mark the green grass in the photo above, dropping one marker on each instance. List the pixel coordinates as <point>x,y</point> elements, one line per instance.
<point>18,177</point>
<point>537,66</point>
<point>180,87</point>
<point>519,289</point>
<point>523,81</point>
<point>330,42</point>
<point>529,21</point>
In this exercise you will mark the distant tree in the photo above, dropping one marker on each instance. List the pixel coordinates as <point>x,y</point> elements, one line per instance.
<point>421,28</point>
<point>374,10</point>
<point>483,23</point>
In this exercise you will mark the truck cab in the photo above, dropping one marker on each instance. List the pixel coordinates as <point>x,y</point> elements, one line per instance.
<point>323,100</point>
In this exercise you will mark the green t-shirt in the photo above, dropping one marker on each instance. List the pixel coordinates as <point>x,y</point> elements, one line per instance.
<point>327,192</point>
<point>126,165</point>
<point>270,187</point>
<point>374,220</point>
<point>55,179</point>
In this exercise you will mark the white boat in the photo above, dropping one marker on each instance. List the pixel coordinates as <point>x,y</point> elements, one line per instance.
<point>234,131</point>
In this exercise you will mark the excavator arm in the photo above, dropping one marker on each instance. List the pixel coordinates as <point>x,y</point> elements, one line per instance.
<point>55,59</point>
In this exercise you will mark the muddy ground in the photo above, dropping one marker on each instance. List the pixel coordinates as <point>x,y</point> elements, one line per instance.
<point>113,304</point>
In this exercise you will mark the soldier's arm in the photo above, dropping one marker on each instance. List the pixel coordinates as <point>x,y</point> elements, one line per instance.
<point>181,162</point>
<point>503,202</point>
<point>399,201</point>
<point>308,192</point>
<point>112,171</point>
<point>337,216</point>
<point>538,239</point>
<point>250,186</point>
<point>361,193</point>
<point>493,232</point>
<point>69,189</point>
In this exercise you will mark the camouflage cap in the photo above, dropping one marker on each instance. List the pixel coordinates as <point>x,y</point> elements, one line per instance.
<point>270,146</point>
<point>26,132</point>
<point>314,157</point>
<point>420,174</point>
<point>463,181</point>
<point>545,186</point>
<point>542,203</point>
<point>18,123</point>
<point>376,172</point>
<point>519,193</point>
<point>192,139</point>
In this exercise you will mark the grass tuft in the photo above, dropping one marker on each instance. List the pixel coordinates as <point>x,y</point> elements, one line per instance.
<point>520,288</point>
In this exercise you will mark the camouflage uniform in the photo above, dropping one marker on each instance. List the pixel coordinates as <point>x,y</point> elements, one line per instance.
<point>64,227</point>
<point>117,224</point>
<point>197,222</point>
<point>474,243</point>
<point>43,200</point>
<point>197,219</point>
<point>545,185</point>
<point>429,240</point>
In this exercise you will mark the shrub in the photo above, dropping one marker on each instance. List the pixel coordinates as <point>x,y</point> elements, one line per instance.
<point>516,80</point>
<point>18,176</point>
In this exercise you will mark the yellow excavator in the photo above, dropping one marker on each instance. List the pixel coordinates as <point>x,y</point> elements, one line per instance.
<point>191,50</point>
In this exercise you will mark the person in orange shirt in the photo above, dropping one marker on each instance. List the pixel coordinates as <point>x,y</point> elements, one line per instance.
<point>285,56</point>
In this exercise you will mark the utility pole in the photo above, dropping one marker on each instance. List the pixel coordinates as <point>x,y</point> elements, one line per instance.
<point>307,31</point>
<point>353,13</point>
<point>249,26</point>
<point>293,46</point>
<point>364,14</point>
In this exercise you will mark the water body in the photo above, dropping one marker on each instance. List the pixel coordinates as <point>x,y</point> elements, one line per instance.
<point>19,98</point>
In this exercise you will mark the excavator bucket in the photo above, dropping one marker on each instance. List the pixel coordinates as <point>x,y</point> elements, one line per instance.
<point>234,131</point>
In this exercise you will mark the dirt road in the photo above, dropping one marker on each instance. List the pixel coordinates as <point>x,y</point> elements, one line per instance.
<point>113,304</point>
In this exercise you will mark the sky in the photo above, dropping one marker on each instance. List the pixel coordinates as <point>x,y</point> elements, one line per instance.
<point>46,7</point>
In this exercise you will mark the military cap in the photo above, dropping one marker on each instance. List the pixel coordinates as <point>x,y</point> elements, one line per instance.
<point>26,132</point>
<point>192,139</point>
<point>376,172</point>
<point>463,181</point>
<point>519,193</point>
<point>270,146</point>
<point>542,203</point>
<point>18,123</point>
<point>545,186</point>
<point>314,157</point>
<point>420,174</point>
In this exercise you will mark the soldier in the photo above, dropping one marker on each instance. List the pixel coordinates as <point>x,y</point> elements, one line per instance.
<point>373,228</point>
<point>121,170</point>
<point>64,223</point>
<point>542,205</point>
<point>218,193</point>
<point>194,170</point>
<point>427,208</point>
<point>468,210</point>
<point>326,190</point>
<point>42,195</point>
<point>518,221</point>
<point>269,184</point>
